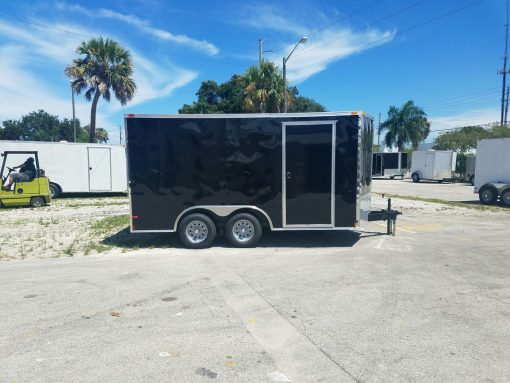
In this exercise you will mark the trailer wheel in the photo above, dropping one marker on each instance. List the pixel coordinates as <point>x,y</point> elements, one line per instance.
<point>505,198</point>
<point>415,177</point>
<point>55,190</point>
<point>472,180</point>
<point>37,202</point>
<point>243,230</point>
<point>488,195</point>
<point>197,231</point>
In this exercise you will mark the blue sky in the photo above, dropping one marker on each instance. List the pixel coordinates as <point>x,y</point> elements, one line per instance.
<point>361,55</point>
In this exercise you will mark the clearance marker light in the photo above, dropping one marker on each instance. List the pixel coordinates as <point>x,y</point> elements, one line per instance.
<point>130,115</point>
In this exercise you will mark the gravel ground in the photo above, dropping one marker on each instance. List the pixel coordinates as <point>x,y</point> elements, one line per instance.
<point>83,226</point>
<point>64,228</point>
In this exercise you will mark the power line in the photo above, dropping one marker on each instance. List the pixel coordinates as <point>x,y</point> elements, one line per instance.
<point>401,32</point>
<point>346,17</point>
<point>303,52</point>
<point>460,96</point>
<point>447,105</point>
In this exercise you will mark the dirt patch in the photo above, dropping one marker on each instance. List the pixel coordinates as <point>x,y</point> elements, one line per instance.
<point>67,227</point>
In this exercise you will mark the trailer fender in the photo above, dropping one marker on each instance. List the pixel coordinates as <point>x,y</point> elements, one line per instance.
<point>222,211</point>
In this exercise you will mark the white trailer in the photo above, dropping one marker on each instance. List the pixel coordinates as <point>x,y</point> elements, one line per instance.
<point>469,174</point>
<point>433,165</point>
<point>78,167</point>
<point>492,171</point>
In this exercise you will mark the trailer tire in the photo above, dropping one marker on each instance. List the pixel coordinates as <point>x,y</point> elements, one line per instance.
<point>505,198</point>
<point>488,195</point>
<point>37,202</point>
<point>472,180</point>
<point>415,177</point>
<point>55,190</point>
<point>243,230</point>
<point>197,231</point>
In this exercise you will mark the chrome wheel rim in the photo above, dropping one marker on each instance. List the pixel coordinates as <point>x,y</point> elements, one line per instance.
<point>243,230</point>
<point>196,231</point>
<point>487,195</point>
<point>37,202</point>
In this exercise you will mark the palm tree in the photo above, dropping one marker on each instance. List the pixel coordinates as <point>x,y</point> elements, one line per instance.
<point>264,89</point>
<point>405,125</point>
<point>103,65</point>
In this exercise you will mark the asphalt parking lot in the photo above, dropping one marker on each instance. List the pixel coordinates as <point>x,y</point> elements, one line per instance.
<point>428,305</point>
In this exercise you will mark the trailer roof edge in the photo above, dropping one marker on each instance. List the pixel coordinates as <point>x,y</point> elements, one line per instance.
<point>249,115</point>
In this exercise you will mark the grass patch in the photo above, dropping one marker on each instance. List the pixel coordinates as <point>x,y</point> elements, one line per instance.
<point>467,205</point>
<point>96,204</point>
<point>110,224</point>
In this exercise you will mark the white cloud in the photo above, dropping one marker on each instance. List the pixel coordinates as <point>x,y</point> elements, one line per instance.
<point>146,27</point>
<point>23,91</point>
<point>323,48</point>
<point>31,63</point>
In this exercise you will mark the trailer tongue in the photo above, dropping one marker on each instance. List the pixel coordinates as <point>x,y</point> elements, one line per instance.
<point>389,215</point>
<point>202,175</point>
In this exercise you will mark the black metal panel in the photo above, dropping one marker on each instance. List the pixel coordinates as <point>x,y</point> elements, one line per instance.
<point>176,163</point>
<point>346,171</point>
<point>391,160</point>
<point>308,179</point>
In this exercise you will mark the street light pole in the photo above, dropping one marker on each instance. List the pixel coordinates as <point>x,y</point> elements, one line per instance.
<point>302,40</point>
<point>74,116</point>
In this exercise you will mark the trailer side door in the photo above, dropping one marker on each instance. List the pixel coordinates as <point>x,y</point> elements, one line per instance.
<point>308,174</point>
<point>100,169</point>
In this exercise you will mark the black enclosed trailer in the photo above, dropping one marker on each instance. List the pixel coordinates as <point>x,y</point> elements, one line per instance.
<point>201,174</point>
<point>389,164</point>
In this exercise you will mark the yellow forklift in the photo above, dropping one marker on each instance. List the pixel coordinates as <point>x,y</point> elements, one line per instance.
<point>35,192</point>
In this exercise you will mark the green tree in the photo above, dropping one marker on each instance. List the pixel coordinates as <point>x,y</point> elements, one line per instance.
<point>301,104</point>
<point>264,89</point>
<point>499,131</point>
<point>42,126</point>
<point>460,140</point>
<point>101,135</point>
<point>213,98</point>
<point>103,66</point>
<point>405,125</point>
<point>259,89</point>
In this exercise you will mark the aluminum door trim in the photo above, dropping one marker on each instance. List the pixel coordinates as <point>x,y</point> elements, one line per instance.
<point>284,173</point>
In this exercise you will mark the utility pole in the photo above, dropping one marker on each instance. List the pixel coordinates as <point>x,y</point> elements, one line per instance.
<point>74,116</point>
<point>120,135</point>
<point>506,105</point>
<point>379,133</point>
<point>504,71</point>
<point>260,51</point>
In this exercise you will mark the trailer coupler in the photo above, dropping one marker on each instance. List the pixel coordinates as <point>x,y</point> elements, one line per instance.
<point>389,215</point>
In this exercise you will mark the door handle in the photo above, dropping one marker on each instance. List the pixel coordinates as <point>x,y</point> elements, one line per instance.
<point>289,175</point>
<point>90,168</point>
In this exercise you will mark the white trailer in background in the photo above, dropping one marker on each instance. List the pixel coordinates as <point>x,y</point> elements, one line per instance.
<point>389,164</point>
<point>492,171</point>
<point>78,167</point>
<point>469,174</point>
<point>433,165</point>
